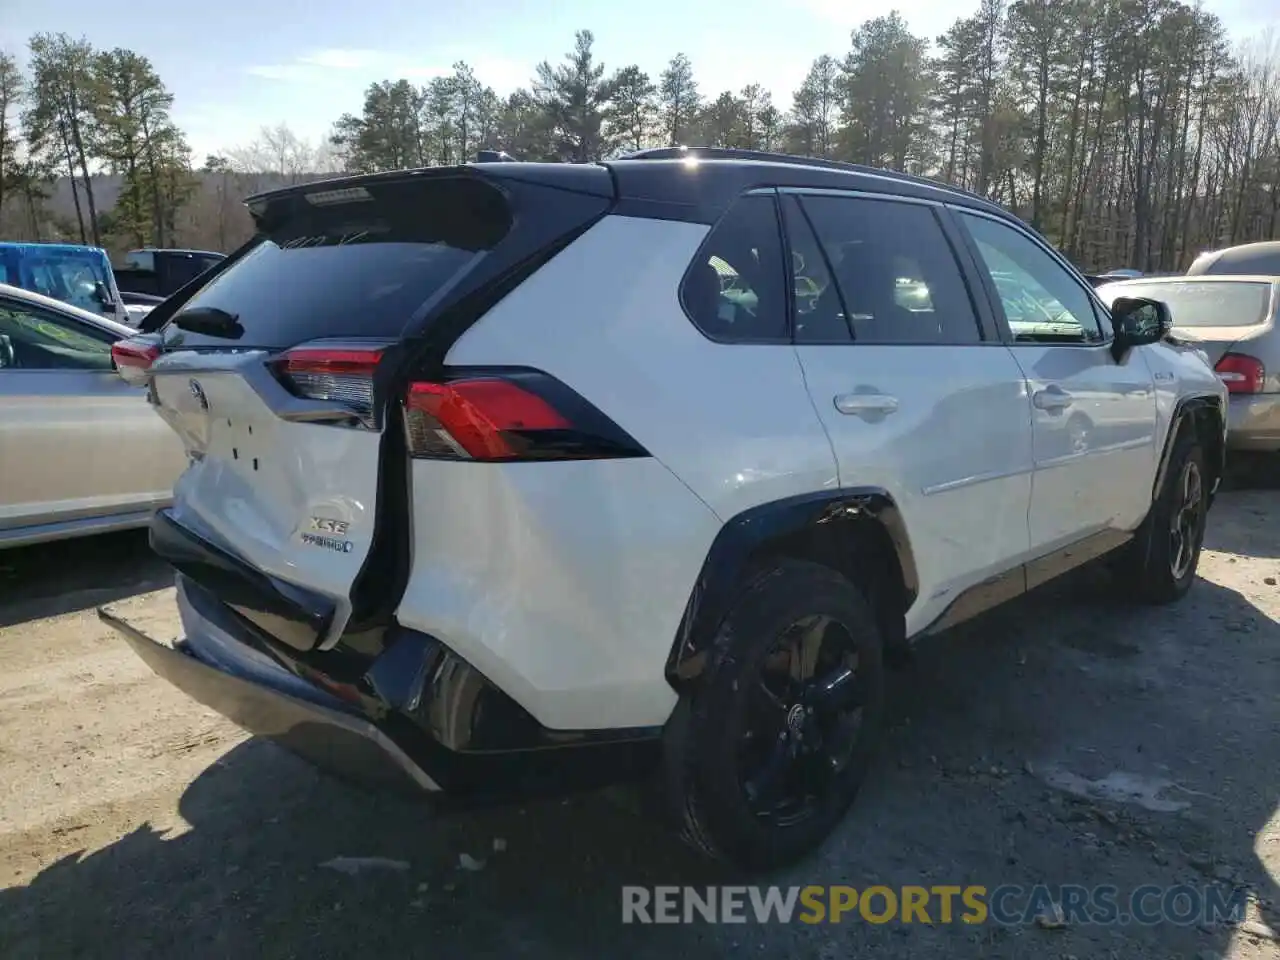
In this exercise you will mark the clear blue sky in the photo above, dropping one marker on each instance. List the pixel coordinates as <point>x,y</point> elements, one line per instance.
<point>236,65</point>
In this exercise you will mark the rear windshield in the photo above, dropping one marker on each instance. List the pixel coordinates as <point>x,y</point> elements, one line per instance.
<point>354,261</point>
<point>1203,304</point>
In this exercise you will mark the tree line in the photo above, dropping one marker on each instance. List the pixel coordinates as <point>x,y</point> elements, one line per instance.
<point>78,111</point>
<point>1130,132</point>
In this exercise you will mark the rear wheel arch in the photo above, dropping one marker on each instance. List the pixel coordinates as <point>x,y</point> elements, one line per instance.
<point>859,532</point>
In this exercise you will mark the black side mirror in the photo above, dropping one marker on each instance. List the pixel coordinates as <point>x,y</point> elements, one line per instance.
<point>101,294</point>
<point>1136,322</point>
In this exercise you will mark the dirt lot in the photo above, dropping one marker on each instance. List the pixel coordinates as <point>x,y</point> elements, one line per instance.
<point>134,823</point>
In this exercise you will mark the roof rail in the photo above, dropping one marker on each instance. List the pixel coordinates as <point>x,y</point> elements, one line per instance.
<point>765,156</point>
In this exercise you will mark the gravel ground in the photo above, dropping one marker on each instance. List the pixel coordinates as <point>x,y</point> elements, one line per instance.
<point>1064,739</point>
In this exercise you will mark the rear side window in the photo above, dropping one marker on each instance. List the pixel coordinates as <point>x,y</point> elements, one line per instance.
<point>896,279</point>
<point>353,262</point>
<point>1212,304</point>
<point>140,260</point>
<point>734,289</point>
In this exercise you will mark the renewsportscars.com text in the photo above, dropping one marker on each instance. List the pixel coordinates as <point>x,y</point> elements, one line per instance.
<point>1006,905</point>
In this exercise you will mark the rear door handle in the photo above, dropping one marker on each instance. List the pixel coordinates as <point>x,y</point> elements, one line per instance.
<point>864,404</point>
<point>1051,398</point>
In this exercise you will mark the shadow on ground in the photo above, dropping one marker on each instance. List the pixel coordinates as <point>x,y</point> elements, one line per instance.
<point>71,575</point>
<point>1001,734</point>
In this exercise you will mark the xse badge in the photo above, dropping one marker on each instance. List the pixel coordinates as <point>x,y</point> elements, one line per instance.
<point>328,534</point>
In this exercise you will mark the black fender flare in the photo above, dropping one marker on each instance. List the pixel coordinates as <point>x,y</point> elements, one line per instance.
<point>752,532</point>
<point>1184,413</point>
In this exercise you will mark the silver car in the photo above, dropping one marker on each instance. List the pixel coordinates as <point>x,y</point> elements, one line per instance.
<point>1233,320</point>
<point>81,451</point>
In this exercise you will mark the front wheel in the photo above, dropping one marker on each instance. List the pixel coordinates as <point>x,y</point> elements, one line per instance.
<point>773,746</point>
<point>1167,548</point>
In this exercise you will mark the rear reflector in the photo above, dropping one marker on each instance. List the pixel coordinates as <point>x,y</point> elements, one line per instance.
<point>523,415</point>
<point>1241,373</point>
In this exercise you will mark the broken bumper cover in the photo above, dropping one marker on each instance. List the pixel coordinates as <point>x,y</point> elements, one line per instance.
<point>218,670</point>
<point>417,719</point>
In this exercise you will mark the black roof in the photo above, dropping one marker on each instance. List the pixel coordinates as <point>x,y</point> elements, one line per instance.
<point>695,184</point>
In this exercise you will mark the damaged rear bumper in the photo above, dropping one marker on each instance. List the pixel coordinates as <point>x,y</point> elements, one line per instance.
<point>215,669</point>
<point>414,718</point>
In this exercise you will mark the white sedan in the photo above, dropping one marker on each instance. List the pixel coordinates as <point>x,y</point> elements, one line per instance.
<point>81,451</point>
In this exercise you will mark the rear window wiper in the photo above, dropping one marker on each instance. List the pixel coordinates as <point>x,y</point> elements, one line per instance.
<point>210,321</point>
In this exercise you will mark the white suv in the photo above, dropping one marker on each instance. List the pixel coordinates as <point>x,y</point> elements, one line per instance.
<point>517,477</point>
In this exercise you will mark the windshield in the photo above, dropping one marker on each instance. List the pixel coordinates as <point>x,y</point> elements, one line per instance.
<point>69,278</point>
<point>1201,304</point>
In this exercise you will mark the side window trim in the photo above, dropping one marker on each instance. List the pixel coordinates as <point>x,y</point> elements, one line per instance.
<point>1100,312</point>
<point>792,202</point>
<point>985,319</point>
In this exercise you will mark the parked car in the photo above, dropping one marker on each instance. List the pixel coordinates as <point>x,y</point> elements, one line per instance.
<point>82,451</point>
<point>1260,259</point>
<point>1233,320</point>
<point>161,272</point>
<point>78,275</point>
<point>500,484</point>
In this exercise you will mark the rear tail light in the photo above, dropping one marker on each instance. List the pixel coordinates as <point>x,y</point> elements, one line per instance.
<point>133,358</point>
<point>1241,373</point>
<point>486,415</point>
<point>342,374</point>
<point>514,415</point>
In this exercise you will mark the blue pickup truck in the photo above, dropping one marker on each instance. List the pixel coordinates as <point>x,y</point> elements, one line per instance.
<point>81,276</point>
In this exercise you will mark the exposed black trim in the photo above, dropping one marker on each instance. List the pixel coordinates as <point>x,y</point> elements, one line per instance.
<point>1183,411</point>
<point>412,707</point>
<point>1011,584</point>
<point>752,534</point>
<point>295,616</point>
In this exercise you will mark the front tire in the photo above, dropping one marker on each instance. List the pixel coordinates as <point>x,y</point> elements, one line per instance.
<point>1168,544</point>
<point>769,752</point>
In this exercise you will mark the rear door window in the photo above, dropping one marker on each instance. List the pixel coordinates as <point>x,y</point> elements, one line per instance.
<point>896,278</point>
<point>355,262</point>
<point>734,291</point>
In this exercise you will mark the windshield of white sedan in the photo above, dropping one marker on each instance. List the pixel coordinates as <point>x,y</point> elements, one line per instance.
<point>1214,304</point>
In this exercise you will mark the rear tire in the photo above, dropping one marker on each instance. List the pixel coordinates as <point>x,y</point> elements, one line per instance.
<point>1166,551</point>
<point>766,756</point>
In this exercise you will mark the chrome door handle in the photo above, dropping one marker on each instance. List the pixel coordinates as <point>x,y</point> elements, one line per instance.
<point>861,404</point>
<point>1051,398</point>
